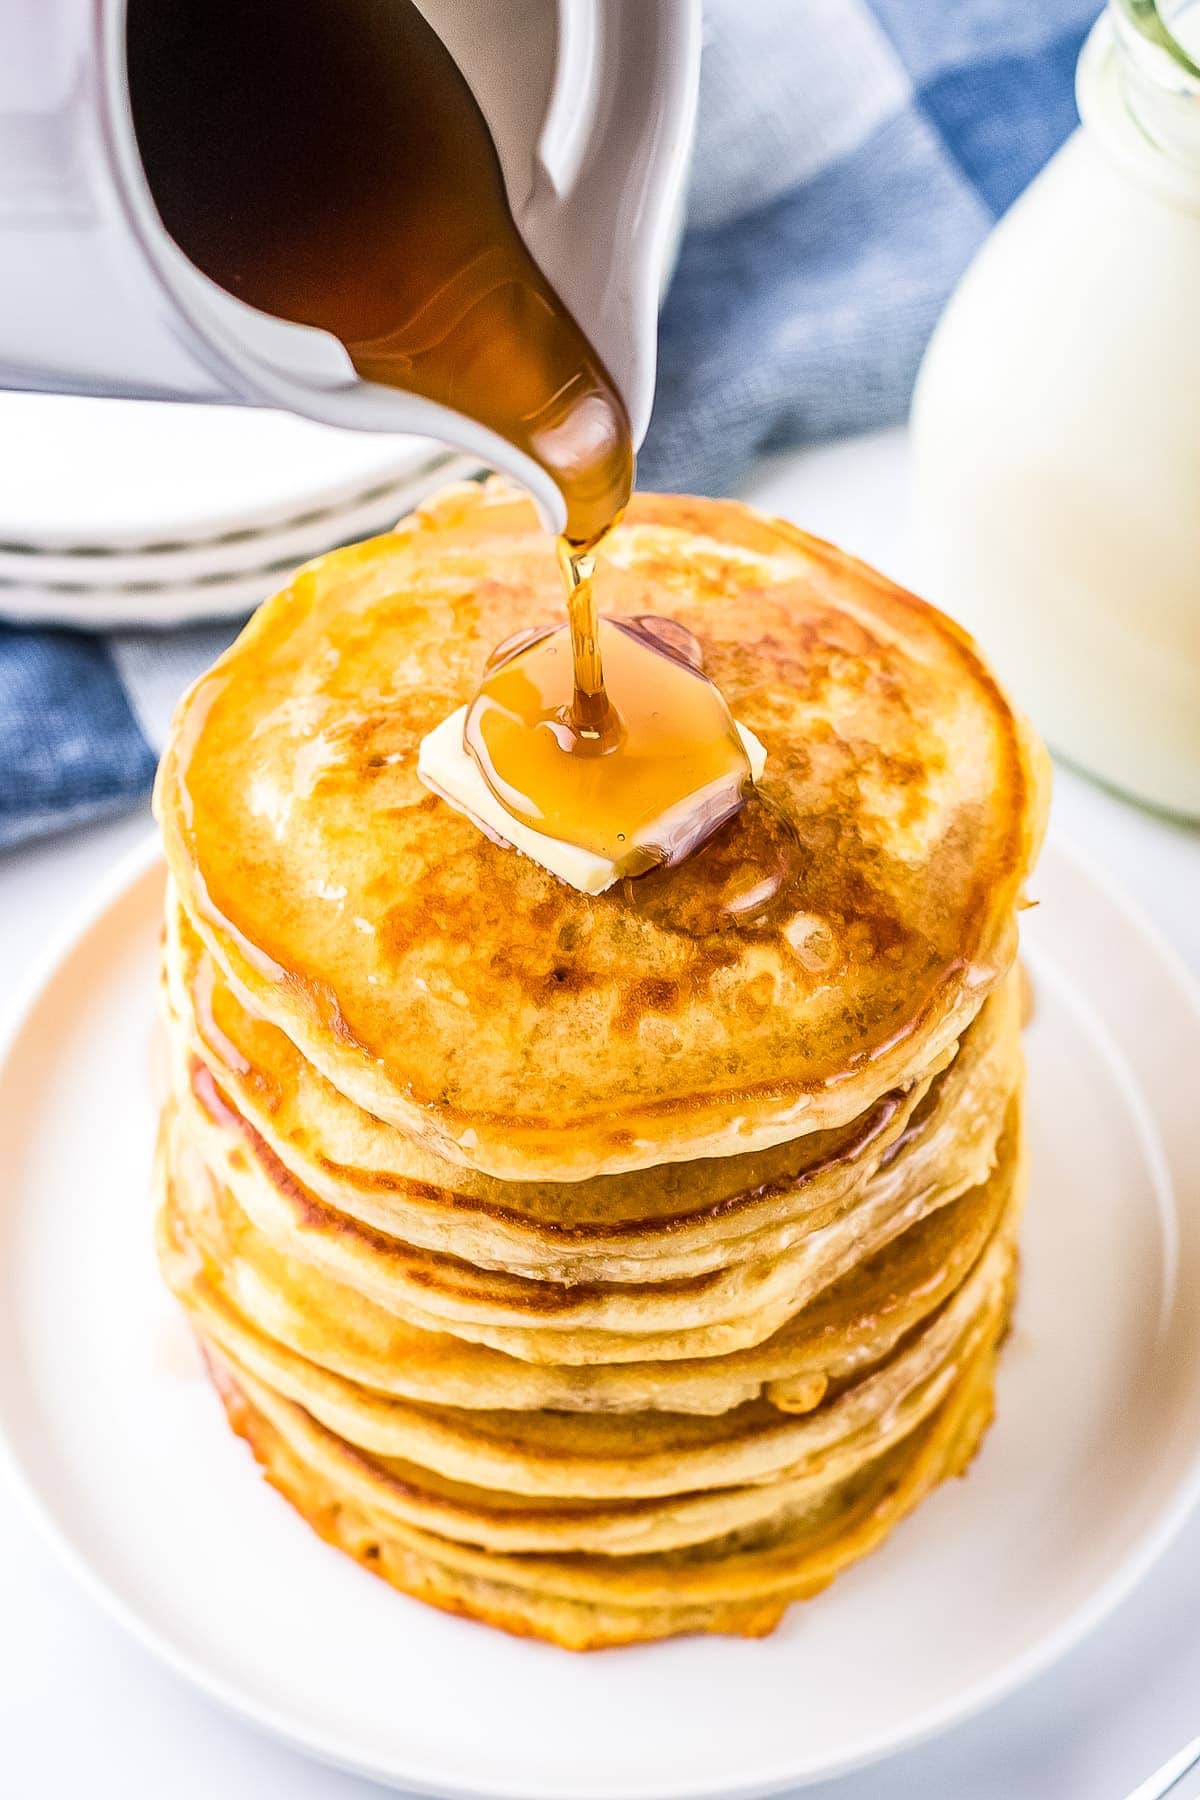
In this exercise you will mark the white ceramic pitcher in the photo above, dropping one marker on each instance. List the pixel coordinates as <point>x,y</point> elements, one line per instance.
<point>592,117</point>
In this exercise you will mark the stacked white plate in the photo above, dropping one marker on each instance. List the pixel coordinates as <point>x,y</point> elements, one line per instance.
<point>122,512</point>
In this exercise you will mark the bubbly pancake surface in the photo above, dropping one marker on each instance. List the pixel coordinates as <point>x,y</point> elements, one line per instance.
<point>835,936</point>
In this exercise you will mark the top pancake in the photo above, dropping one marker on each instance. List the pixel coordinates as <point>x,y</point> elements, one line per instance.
<point>450,986</point>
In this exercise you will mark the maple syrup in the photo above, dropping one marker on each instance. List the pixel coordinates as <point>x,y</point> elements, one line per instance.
<point>326,161</point>
<point>664,768</point>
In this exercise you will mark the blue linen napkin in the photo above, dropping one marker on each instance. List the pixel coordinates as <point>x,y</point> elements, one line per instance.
<point>850,156</point>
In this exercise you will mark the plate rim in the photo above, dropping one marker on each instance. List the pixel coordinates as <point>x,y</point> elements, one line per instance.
<point>151,429</point>
<point>249,565</point>
<point>134,866</point>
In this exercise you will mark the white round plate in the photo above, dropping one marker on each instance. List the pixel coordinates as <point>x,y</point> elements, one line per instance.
<point>125,1455</point>
<point>213,558</point>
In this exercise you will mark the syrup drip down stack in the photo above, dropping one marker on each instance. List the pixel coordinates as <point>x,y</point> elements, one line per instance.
<point>606,1266</point>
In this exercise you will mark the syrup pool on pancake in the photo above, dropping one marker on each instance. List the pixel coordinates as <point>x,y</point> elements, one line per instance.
<point>660,771</point>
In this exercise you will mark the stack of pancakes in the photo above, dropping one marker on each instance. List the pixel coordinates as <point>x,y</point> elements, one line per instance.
<point>605,1268</point>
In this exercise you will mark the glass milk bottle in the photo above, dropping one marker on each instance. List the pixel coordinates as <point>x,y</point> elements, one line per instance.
<point>1056,424</point>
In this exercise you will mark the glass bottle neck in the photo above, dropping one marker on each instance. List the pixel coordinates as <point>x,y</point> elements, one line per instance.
<point>1138,89</point>
<point>1157,46</point>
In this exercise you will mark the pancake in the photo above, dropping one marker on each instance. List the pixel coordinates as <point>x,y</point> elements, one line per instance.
<point>738,1305</point>
<point>601,1456</point>
<point>681,1217</point>
<point>730,1586</point>
<point>318,1150</point>
<point>615,1527</point>
<point>596,1457</point>
<point>207,1239</point>
<point>465,996</point>
<point>904,1392</point>
<point>609,1267</point>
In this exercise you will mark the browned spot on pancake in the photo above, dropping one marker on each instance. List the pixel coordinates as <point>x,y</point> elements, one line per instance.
<point>757,850</point>
<point>543,913</point>
<point>653,994</point>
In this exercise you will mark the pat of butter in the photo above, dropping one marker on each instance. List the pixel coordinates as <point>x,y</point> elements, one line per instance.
<point>449,770</point>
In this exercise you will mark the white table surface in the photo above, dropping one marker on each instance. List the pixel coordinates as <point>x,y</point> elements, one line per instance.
<point>87,1715</point>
